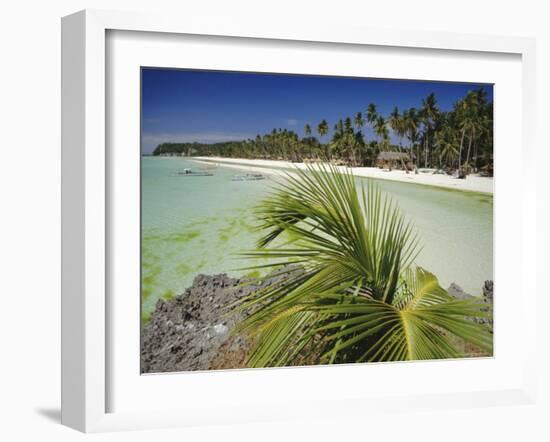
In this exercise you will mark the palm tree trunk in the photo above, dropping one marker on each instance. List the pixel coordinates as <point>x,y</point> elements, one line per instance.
<point>426,150</point>
<point>418,155</point>
<point>405,168</point>
<point>460,150</point>
<point>411,151</point>
<point>469,147</point>
<point>475,156</point>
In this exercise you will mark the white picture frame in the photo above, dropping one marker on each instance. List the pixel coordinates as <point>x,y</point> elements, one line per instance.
<point>86,315</point>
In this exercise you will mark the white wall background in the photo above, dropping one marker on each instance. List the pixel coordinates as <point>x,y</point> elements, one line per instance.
<point>30,214</point>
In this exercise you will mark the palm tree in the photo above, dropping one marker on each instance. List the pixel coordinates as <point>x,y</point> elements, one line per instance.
<point>322,130</point>
<point>358,121</point>
<point>360,148</point>
<point>349,141</point>
<point>411,130</point>
<point>359,138</point>
<point>307,140</point>
<point>372,114</point>
<point>476,119</point>
<point>397,124</point>
<point>337,144</point>
<point>380,128</point>
<point>259,146</point>
<point>467,113</point>
<point>445,143</point>
<point>352,294</point>
<point>429,113</point>
<point>485,122</point>
<point>395,121</point>
<point>459,111</point>
<point>347,124</point>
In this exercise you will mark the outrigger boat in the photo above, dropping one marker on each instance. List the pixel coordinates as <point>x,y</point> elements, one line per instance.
<point>248,177</point>
<point>189,172</point>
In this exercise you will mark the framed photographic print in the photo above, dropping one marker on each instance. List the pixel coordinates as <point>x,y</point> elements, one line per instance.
<point>266,222</point>
<point>281,249</point>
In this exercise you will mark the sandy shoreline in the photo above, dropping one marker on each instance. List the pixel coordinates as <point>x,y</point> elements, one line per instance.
<point>471,183</point>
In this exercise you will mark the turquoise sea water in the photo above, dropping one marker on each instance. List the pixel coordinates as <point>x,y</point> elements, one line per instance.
<point>193,225</point>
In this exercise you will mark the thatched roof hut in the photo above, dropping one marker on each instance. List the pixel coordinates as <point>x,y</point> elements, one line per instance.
<point>394,159</point>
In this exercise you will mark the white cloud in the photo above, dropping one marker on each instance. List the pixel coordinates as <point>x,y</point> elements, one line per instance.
<point>292,122</point>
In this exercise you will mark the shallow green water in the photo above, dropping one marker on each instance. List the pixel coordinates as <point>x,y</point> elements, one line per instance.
<point>194,225</point>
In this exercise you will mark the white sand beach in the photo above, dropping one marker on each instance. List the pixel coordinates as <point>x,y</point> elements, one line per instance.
<point>471,183</point>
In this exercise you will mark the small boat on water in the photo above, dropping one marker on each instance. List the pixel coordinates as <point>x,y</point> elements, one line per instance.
<point>249,177</point>
<point>189,172</point>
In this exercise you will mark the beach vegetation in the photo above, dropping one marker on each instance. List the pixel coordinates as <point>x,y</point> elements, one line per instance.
<point>353,292</point>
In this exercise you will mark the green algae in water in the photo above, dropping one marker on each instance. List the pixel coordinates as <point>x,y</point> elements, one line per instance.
<point>183,269</point>
<point>168,294</point>
<point>145,293</point>
<point>183,237</point>
<point>200,265</point>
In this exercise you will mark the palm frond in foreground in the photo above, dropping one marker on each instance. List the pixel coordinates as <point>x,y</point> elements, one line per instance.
<point>352,293</point>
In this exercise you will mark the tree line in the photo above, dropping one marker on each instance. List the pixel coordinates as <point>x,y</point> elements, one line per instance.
<point>427,137</point>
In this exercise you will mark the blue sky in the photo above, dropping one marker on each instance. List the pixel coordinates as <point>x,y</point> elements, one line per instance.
<point>208,106</point>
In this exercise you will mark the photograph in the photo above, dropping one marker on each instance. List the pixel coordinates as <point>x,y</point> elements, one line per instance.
<point>301,220</point>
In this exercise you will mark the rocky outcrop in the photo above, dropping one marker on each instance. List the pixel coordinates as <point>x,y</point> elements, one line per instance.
<point>488,292</point>
<point>185,333</point>
<point>456,291</point>
<point>193,330</point>
<point>488,297</point>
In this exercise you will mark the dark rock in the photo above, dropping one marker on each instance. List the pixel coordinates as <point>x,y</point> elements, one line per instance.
<point>187,332</point>
<point>456,291</point>
<point>488,297</point>
<point>488,291</point>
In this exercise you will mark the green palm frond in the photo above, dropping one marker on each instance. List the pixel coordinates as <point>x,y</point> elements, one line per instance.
<point>351,294</point>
